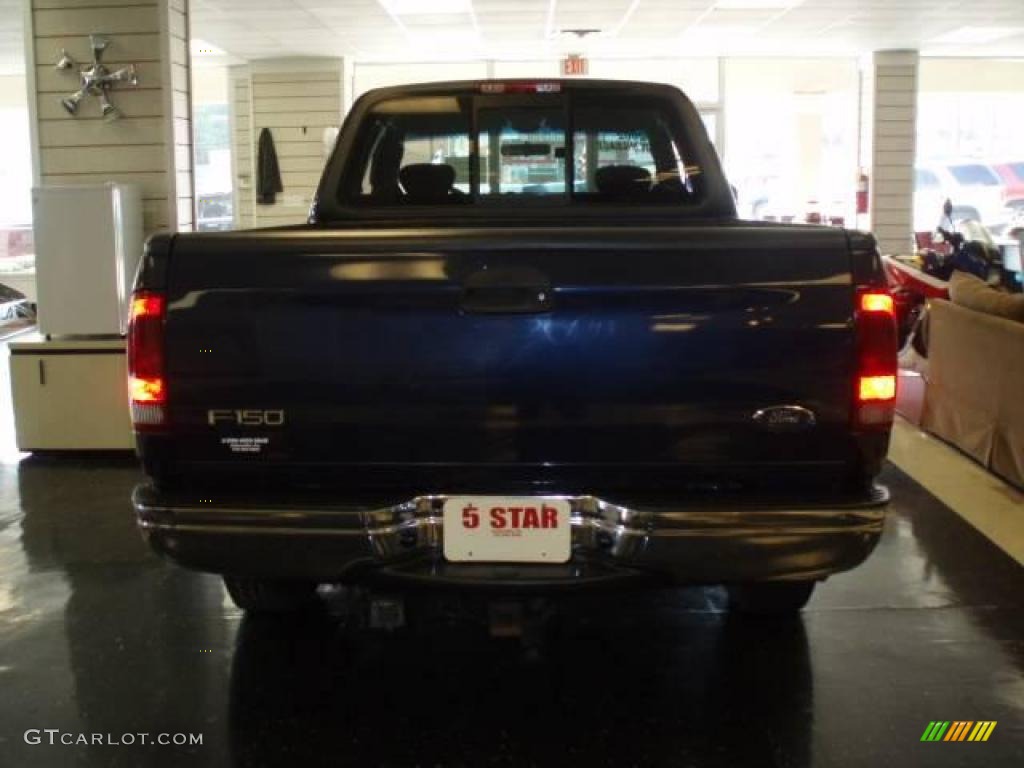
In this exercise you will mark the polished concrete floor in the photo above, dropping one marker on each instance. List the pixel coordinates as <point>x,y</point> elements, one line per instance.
<point>98,636</point>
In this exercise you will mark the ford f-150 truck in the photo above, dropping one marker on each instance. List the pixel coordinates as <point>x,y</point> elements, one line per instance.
<point>523,343</point>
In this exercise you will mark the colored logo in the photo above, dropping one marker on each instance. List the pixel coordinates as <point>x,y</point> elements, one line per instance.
<point>958,730</point>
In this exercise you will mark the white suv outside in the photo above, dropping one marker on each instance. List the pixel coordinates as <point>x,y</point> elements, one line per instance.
<point>974,188</point>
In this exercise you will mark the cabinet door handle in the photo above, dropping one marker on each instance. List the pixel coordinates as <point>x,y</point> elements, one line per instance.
<point>42,373</point>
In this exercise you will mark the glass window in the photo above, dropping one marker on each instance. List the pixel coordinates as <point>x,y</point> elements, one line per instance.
<point>974,175</point>
<point>600,149</point>
<point>969,118</point>
<point>710,120</point>
<point>17,249</point>
<point>791,137</point>
<point>925,179</point>
<point>614,154</point>
<point>214,196</point>
<point>418,151</point>
<point>522,151</point>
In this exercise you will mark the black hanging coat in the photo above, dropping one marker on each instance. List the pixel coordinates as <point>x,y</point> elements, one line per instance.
<point>268,174</point>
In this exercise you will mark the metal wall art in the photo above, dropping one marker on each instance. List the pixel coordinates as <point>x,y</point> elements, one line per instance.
<point>95,79</point>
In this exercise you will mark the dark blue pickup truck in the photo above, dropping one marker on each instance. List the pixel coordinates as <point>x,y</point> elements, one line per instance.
<point>523,344</point>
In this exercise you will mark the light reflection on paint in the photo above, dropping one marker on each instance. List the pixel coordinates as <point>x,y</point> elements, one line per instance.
<point>673,327</point>
<point>676,323</point>
<point>396,270</point>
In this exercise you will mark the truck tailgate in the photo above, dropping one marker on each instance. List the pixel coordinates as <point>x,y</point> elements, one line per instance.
<point>437,355</point>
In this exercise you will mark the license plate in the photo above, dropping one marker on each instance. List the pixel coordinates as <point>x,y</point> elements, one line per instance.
<point>500,529</point>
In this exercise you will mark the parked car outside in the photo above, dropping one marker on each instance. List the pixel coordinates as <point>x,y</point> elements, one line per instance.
<point>1012,175</point>
<point>972,186</point>
<point>930,194</point>
<point>974,183</point>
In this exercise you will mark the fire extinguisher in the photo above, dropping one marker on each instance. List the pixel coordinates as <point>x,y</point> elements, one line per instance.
<point>862,193</point>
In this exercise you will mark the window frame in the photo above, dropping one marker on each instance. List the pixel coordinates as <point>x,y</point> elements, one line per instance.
<point>716,203</point>
<point>568,103</point>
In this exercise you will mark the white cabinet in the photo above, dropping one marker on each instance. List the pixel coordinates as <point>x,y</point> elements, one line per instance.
<point>71,395</point>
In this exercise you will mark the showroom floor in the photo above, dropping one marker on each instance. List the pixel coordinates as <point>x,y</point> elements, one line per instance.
<point>98,636</point>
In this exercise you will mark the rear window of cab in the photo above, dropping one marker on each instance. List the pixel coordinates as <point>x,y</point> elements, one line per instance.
<point>543,149</point>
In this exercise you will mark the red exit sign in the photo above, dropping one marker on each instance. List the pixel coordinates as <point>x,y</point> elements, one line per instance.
<point>574,66</point>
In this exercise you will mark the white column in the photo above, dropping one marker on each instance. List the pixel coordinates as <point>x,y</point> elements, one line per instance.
<point>888,146</point>
<point>151,144</point>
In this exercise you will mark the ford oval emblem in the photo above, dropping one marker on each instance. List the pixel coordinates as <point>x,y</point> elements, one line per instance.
<point>785,418</point>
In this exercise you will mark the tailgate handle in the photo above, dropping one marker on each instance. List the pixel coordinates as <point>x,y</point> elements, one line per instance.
<point>512,291</point>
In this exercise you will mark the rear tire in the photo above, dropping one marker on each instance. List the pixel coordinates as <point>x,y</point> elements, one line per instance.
<point>770,598</point>
<point>267,596</point>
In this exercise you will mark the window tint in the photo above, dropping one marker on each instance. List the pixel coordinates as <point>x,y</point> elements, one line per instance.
<point>614,154</point>
<point>1018,170</point>
<point>522,152</point>
<point>417,152</point>
<point>422,151</point>
<point>974,175</point>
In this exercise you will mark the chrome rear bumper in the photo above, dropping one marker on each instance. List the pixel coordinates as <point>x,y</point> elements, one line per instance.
<point>609,541</point>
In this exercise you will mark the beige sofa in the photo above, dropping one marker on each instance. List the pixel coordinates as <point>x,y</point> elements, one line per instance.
<point>975,393</point>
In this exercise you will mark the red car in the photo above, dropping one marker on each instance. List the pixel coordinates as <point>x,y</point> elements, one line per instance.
<point>1012,176</point>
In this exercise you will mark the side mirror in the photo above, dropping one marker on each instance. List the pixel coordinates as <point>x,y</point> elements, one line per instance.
<point>947,209</point>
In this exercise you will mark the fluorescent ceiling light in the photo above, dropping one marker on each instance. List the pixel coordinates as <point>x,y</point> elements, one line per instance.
<point>976,35</point>
<point>755,5</point>
<point>427,7</point>
<point>199,47</point>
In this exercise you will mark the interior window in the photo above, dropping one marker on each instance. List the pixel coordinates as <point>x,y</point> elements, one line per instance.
<point>424,151</point>
<point>627,155</point>
<point>522,151</point>
<point>418,152</point>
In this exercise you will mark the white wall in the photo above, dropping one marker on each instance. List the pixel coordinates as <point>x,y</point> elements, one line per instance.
<point>299,101</point>
<point>151,144</point>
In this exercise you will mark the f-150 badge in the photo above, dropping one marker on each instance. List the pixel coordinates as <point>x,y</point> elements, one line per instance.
<point>245,418</point>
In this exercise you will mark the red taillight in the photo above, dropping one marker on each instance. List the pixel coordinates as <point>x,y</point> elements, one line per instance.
<point>146,387</point>
<point>876,388</point>
<point>875,391</point>
<point>873,301</point>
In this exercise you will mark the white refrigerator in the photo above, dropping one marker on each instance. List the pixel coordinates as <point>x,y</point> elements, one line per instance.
<point>88,241</point>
